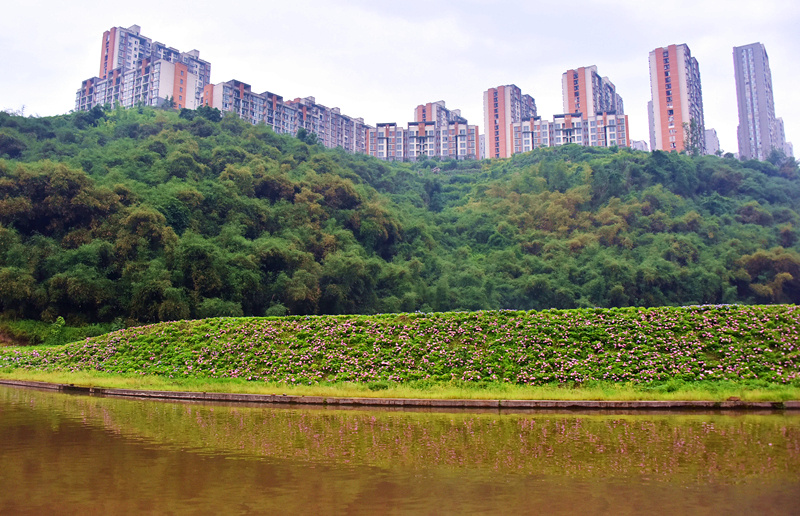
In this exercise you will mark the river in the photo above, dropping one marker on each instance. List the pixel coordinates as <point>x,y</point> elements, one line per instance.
<point>69,454</point>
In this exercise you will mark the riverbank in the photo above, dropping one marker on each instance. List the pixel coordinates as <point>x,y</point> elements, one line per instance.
<point>676,391</point>
<point>412,403</point>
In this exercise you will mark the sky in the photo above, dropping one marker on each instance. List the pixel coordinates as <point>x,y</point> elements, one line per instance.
<point>378,60</point>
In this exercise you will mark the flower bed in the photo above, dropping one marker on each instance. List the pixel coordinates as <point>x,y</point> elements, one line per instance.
<point>633,345</point>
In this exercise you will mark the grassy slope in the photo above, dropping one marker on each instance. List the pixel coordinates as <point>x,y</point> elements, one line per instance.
<point>642,350</point>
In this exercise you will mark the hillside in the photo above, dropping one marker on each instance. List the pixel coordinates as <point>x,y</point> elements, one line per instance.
<point>138,216</point>
<point>573,347</point>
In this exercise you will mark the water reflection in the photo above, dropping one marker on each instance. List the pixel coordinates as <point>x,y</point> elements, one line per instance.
<point>72,454</point>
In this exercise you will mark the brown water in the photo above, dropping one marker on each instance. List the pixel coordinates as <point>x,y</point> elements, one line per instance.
<point>62,454</point>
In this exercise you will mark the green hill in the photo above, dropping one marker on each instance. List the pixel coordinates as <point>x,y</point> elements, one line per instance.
<point>139,216</point>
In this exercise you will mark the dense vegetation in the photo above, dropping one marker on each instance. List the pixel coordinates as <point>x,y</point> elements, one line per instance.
<point>138,215</point>
<point>572,347</point>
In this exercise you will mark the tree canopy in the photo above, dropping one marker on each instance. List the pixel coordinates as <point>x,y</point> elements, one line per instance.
<point>151,215</point>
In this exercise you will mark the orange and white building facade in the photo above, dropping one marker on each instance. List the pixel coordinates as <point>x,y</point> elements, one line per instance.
<point>436,132</point>
<point>677,98</point>
<point>453,137</point>
<point>593,117</point>
<point>584,91</point>
<point>459,140</point>
<point>608,130</point>
<point>137,70</point>
<point>502,107</point>
<point>235,97</point>
<point>603,130</point>
<point>388,142</point>
<point>532,133</point>
<point>333,129</point>
<point>422,140</point>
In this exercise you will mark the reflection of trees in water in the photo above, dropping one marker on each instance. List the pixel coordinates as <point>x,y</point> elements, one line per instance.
<point>662,447</point>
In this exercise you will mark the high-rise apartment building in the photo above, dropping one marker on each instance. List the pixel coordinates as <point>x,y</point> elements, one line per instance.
<point>423,140</point>
<point>676,116</point>
<point>788,149</point>
<point>453,137</point>
<point>758,130</point>
<point>436,132</point>
<point>502,107</point>
<point>603,130</point>
<point>436,112</point>
<point>712,142</point>
<point>135,69</point>
<point>532,133</point>
<point>235,97</point>
<point>387,141</point>
<point>584,91</point>
<point>333,129</point>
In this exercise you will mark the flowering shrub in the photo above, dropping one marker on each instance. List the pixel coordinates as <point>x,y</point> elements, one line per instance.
<point>637,345</point>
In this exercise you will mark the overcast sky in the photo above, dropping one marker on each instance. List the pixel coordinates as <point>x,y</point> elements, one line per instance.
<point>378,60</point>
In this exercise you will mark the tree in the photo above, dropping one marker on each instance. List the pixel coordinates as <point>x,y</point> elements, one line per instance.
<point>776,157</point>
<point>774,275</point>
<point>187,114</point>
<point>11,145</point>
<point>787,165</point>
<point>307,137</point>
<point>150,214</point>
<point>209,113</point>
<point>694,138</point>
<point>56,336</point>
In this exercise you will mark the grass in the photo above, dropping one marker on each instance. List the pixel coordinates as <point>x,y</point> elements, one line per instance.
<point>697,391</point>
<point>708,353</point>
<point>618,346</point>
